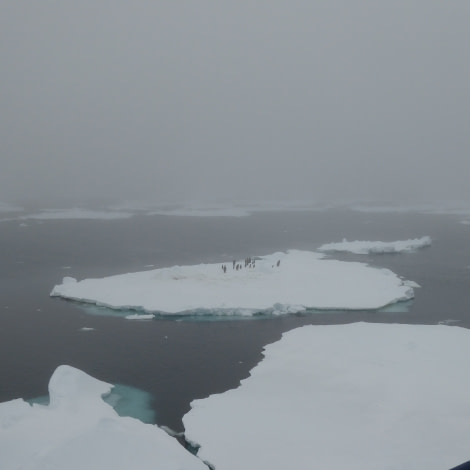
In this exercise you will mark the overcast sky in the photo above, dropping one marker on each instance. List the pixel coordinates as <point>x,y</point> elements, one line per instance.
<point>234,100</point>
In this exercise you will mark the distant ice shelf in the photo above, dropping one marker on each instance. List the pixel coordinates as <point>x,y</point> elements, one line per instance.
<point>69,214</point>
<point>365,247</point>
<point>78,213</point>
<point>280,283</point>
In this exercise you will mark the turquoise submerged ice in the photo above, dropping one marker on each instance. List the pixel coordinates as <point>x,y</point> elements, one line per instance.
<point>280,283</point>
<point>126,401</point>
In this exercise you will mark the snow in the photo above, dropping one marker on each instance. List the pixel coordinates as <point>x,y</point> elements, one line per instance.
<point>366,247</point>
<point>137,316</point>
<point>78,430</point>
<point>411,284</point>
<point>302,280</point>
<point>359,396</point>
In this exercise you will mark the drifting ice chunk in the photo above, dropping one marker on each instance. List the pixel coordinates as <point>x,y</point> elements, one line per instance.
<point>366,247</point>
<point>136,316</point>
<point>279,283</point>
<point>411,284</point>
<point>78,430</point>
<point>357,397</point>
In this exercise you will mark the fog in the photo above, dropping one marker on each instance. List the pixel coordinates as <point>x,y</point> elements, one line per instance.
<point>234,101</point>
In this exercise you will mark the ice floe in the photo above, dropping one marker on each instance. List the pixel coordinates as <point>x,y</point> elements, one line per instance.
<point>137,316</point>
<point>438,208</point>
<point>240,209</point>
<point>71,214</point>
<point>278,283</point>
<point>359,396</point>
<point>78,430</point>
<point>78,213</point>
<point>203,212</point>
<point>365,247</point>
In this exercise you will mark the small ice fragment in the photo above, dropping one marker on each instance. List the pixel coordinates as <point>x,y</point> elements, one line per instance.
<point>138,316</point>
<point>411,284</point>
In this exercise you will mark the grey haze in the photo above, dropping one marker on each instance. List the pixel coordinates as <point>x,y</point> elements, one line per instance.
<point>223,100</point>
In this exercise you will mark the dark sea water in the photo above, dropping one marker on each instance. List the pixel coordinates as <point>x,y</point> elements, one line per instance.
<point>178,361</point>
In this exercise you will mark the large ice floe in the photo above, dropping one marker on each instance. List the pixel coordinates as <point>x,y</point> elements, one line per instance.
<point>365,247</point>
<point>237,210</point>
<point>279,283</point>
<point>78,430</point>
<point>359,396</point>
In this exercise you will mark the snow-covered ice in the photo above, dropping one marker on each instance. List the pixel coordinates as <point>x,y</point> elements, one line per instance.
<point>240,209</point>
<point>365,247</point>
<point>359,396</point>
<point>302,280</point>
<point>436,207</point>
<point>203,212</point>
<point>71,213</point>
<point>78,430</point>
<point>78,213</point>
<point>210,211</point>
<point>137,316</point>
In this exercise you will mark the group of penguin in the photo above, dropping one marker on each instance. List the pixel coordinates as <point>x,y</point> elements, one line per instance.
<point>249,262</point>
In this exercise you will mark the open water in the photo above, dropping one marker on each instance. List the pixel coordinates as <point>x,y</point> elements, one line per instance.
<point>178,361</point>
